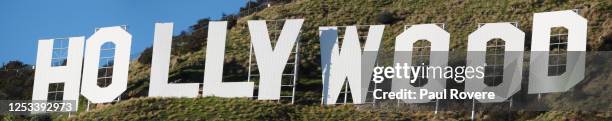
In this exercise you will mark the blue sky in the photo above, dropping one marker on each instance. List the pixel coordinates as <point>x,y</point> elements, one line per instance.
<point>24,22</point>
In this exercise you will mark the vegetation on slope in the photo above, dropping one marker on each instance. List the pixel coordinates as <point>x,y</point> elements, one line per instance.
<point>460,17</point>
<point>213,108</point>
<point>16,81</point>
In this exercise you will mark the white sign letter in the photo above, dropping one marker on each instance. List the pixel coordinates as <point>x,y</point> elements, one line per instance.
<point>272,61</point>
<point>159,67</point>
<point>513,59</point>
<point>70,74</point>
<point>122,41</point>
<point>213,73</point>
<point>339,66</point>
<point>539,81</point>
<point>404,42</point>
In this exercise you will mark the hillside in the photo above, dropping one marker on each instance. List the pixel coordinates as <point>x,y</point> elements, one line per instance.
<point>212,108</point>
<point>461,17</point>
<point>17,81</point>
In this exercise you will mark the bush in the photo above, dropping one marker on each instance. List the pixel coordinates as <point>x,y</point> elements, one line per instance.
<point>146,56</point>
<point>386,18</point>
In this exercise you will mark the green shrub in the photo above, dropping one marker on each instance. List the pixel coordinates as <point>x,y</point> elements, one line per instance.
<point>386,18</point>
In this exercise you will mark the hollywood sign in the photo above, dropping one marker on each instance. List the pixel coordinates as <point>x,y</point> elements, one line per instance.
<point>80,73</point>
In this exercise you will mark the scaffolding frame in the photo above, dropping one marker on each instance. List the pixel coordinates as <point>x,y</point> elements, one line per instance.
<point>558,49</point>
<point>55,91</point>
<point>62,50</point>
